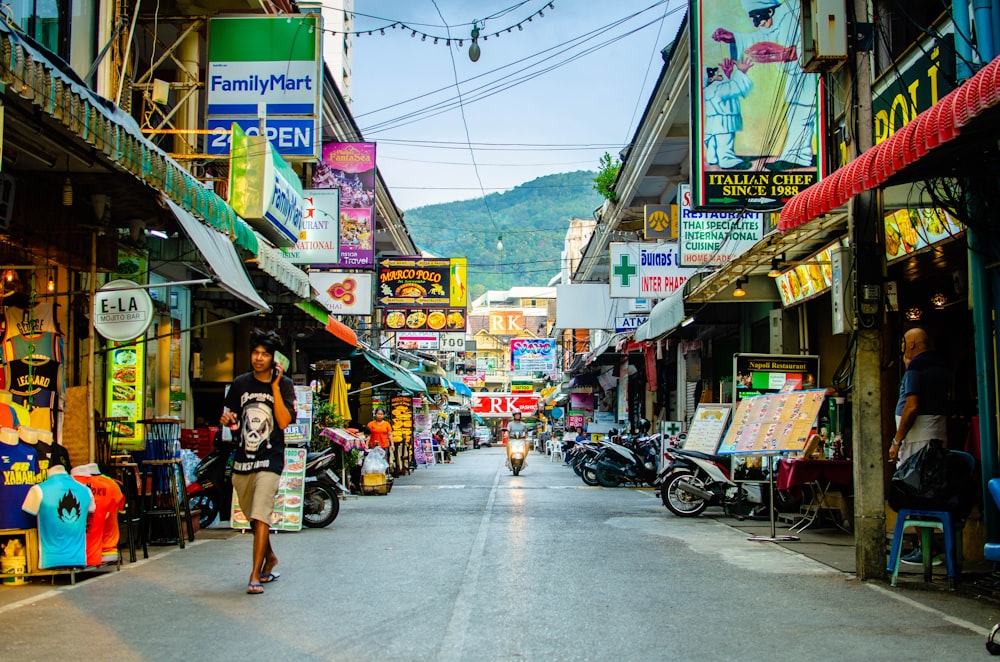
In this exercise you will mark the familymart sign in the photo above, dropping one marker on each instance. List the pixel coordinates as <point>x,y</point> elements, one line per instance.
<point>265,74</point>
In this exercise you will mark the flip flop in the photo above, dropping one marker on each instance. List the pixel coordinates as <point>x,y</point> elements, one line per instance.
<point>254,588</point>
<point>269,577</point>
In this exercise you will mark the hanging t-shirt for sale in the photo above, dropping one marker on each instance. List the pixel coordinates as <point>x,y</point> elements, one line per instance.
<point>61,505</point>
<point>18,473</point>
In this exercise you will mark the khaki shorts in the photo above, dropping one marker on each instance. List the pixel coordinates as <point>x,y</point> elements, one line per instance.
<point>256,494</point>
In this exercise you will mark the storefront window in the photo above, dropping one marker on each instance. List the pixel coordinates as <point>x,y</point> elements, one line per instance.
<point>45,20</point>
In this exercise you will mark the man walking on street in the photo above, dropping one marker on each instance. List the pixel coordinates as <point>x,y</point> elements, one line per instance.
<point>262,404</point>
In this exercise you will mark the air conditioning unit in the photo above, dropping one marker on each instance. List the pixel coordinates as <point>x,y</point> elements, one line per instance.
<point>824,35</point>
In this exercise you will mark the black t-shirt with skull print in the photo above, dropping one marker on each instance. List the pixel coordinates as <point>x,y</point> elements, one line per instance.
<point>260,444</point>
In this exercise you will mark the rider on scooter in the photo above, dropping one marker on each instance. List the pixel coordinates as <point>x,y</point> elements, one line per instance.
<point>516,429</point>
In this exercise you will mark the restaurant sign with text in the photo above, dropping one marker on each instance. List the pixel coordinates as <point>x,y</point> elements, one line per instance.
<point>408,282</point>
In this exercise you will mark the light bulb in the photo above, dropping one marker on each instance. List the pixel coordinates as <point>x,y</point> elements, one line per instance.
<point>739,291</point>
<point>474,52</point>
<point>67,193</point>
<point>51,285</point>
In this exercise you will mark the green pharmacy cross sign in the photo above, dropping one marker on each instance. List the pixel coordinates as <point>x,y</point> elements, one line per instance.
<point>673,429</point>
<point>625,270</point>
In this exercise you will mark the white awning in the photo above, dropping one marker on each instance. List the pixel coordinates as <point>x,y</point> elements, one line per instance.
<point>220,254</point>
<point>664,318</point>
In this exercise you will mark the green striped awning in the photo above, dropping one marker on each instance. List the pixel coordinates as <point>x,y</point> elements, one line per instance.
<point>51,86</point>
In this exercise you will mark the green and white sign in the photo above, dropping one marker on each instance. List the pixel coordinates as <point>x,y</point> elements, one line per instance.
<point>641,270</point>
<point>266,67</point>
<point>264,190</point>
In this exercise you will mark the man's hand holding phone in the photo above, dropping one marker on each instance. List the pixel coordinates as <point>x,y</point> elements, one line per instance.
<point>281,363</point>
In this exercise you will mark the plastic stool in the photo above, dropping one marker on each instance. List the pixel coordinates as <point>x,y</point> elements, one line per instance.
<point>934,520</point>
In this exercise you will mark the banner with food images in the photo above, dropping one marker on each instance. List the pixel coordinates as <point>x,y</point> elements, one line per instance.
<point>402,418</point>
<point>909,230</point>
<point>424,319</point>
<point>288,502</point>
<point>807,279</point>
<point>124,392</point>
<point>420,282</point>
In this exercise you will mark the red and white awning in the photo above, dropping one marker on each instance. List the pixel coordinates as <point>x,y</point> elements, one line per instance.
<point>930,129</point>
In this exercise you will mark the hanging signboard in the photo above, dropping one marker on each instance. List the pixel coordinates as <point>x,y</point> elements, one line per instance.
<point>300,432</point>
<point>659,222</point>
<point>122,311</point>
<point>808,279</point>
<point>640,270</point>
<point>417,341</point>
<point>756,116</point>
<point>318,244</point>
<point>343,293</point>
<point>533,355</point>
<point>265,66</point>
<point>503,405</point>
<point>422,282</point>
<point>715,238</point>
<point>350,168</point>
<point>425,319</point>
<point>910,230</point>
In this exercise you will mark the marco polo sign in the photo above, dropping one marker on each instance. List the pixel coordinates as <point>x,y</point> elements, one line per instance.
<point>122,310</point>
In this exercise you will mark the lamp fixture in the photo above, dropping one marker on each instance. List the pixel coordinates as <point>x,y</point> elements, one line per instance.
<point>739,291</point>
<point>9,275</point>
<point>688,321</point>
<point>474,51</point>
<point>775,264</point>
<point>50,286</point>
<point>939,300</point>
<point>914,314</point>
<point>67,197</point>
<point>499,242</point>
<point>159,234</point>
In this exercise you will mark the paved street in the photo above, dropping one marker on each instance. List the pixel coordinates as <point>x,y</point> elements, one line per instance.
<point>466,562</point>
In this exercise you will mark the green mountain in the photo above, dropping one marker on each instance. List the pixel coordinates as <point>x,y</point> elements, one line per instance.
<point>531,218</point>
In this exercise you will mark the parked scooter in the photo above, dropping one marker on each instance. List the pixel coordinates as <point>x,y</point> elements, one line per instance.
<point>212,491</point>
<point>321,502</point>
<point>635,463</point>
<point>693,481</point>
<point>582,457</point>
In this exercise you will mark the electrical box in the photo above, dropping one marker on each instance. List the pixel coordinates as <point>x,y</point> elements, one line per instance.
<point>783,332</point>
<point>824,35</point>
<point>161,91</point>
<point>840,294</point>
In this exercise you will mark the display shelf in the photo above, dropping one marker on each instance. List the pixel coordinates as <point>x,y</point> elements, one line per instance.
<point>29,538</point>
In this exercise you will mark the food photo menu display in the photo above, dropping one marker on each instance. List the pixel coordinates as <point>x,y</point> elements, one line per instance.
<point>288,501</point>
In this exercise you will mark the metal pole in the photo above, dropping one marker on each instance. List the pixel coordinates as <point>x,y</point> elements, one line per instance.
<point>91,360</point>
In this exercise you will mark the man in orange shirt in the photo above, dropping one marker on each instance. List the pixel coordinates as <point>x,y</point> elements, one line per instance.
<point>381,431</point>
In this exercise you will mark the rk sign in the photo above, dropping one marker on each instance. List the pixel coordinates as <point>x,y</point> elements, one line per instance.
<point>506,322</point>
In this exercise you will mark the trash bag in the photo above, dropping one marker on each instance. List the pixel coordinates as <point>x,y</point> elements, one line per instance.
<point>933,479</point>
<point>375,462</point>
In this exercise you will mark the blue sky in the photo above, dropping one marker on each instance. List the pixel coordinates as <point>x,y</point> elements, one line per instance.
<point>533,118</point>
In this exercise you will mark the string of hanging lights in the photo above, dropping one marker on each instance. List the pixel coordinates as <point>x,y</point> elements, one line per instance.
<point>478,32</point>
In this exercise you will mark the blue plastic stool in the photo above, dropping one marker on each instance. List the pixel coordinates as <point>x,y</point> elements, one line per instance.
<point>939,520</point>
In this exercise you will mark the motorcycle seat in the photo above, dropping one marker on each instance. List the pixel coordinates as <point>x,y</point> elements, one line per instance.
<point>719,459</point>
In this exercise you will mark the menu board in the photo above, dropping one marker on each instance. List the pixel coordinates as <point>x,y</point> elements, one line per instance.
<point>773,423</point>
<point>401,407</point>
<point>707,427</point>
<point>300,432</point>
<point>287,515</point>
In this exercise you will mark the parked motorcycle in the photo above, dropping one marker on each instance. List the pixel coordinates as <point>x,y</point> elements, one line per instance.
<point>582,457</point>
<point>321,501</point>
<point>616,464</point>
<point>212,491</point>
<point>693,481</point>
